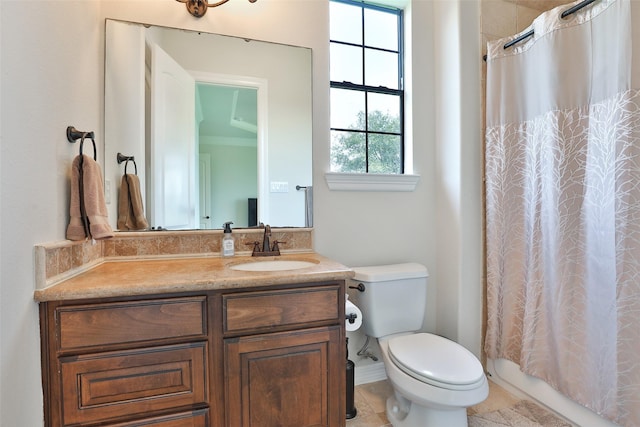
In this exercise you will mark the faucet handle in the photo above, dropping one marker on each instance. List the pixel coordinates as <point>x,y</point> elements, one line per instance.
<point>256,247</point>
<point>276,248</point>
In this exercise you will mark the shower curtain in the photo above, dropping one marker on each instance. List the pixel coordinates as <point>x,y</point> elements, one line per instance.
<point>562,171</point>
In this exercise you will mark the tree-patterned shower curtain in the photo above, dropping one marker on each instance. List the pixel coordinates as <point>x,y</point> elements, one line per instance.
<point>563,205</point>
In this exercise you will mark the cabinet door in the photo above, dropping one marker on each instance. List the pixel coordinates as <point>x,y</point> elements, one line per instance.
<point>288,379</point>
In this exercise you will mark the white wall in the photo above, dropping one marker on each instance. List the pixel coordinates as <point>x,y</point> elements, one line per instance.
<point>459,176</point>
<point>370,228</point>
<point>51,76</point>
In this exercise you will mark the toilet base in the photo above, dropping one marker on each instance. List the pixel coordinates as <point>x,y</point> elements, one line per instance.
<point>404,413</point>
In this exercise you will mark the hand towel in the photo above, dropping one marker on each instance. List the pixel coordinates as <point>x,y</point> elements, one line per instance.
<point>308,206</point>
<point>130,208</point>
<point>88,211</point>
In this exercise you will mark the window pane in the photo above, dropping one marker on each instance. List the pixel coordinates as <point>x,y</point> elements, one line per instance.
<point>348,152</point>
<point>381,69</point>
<point>380,29</point>
<point>345,23</point>
<point>384,153</point>
<point>346,63</point>
<point>366,126</point>
<point>384,112</point>
<point>347,109</point>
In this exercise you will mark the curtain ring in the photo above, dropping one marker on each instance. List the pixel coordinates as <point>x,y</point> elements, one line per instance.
<point>95,152</point>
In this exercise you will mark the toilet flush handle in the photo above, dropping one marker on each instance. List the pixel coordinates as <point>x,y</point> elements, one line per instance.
<point>360,287</point>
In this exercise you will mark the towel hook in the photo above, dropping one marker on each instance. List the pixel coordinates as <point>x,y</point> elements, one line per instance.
<point>74,134</point>
<point>122,158</point>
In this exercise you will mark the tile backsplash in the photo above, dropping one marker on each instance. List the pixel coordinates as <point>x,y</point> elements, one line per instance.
<point>60,260</point>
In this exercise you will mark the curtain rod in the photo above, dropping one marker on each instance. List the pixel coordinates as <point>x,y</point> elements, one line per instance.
<point>530,33</point>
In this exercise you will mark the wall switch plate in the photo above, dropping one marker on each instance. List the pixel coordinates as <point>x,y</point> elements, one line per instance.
<point>279,187</point>
<point>107,192</point>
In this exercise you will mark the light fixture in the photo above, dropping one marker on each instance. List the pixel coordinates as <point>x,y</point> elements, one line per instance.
<point>199,7</point>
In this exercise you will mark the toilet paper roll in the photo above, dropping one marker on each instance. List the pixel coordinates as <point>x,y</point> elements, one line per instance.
<point>349,309</point>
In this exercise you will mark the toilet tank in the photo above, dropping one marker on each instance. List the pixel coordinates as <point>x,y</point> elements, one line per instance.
<point>394,297</point>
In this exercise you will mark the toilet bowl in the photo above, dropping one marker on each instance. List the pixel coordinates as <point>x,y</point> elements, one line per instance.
<point>435,396</point>
<point>434,379</point>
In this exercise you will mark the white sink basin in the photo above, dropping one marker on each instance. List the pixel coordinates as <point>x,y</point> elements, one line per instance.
<point>272,265</point>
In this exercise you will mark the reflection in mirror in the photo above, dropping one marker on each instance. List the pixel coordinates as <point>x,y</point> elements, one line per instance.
<point>228,152</point>
<point>220,127</point>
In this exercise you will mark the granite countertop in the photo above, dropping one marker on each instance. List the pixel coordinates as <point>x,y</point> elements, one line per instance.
<point>119,278</point>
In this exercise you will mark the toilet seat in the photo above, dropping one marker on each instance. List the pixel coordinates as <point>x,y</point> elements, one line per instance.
<point>436,360</point>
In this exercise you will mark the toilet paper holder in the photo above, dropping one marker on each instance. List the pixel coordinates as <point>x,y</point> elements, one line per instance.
<point>351,317</point>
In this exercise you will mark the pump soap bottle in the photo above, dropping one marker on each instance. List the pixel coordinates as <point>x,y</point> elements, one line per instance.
<point>227,240</point>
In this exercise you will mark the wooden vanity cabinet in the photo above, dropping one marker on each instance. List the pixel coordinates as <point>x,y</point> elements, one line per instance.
<point>284,353</point>
<point>261,357</point>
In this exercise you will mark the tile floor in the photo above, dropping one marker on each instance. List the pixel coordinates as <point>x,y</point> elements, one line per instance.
<point>370,401</point>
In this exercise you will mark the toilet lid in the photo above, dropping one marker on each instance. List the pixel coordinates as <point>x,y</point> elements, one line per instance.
<point>436,360</point>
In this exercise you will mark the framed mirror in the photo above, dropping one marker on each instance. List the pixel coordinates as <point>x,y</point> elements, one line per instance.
<point>220,127</point>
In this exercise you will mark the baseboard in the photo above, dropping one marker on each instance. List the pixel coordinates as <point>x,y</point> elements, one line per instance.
<point>370,373</point>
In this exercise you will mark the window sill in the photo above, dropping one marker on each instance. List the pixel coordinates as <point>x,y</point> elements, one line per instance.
<point>370,182</point>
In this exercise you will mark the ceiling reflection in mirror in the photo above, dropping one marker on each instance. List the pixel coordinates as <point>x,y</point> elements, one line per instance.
<point>219,126</point>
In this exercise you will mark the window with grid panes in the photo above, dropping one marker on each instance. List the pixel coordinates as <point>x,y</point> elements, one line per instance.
<point>366,88</point>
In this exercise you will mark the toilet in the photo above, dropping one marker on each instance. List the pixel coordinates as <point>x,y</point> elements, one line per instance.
<point>434,379</point>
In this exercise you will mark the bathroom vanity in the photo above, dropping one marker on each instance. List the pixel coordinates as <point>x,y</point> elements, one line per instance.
<point>193,342</point>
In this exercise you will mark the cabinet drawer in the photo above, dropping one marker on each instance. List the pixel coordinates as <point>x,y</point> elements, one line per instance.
<point>91,325</point>
<point>198,418</point>
<point>100,387</point>
<point>267,309</point>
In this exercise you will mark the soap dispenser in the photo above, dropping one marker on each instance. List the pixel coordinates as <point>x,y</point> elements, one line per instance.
<point>228,240</point>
